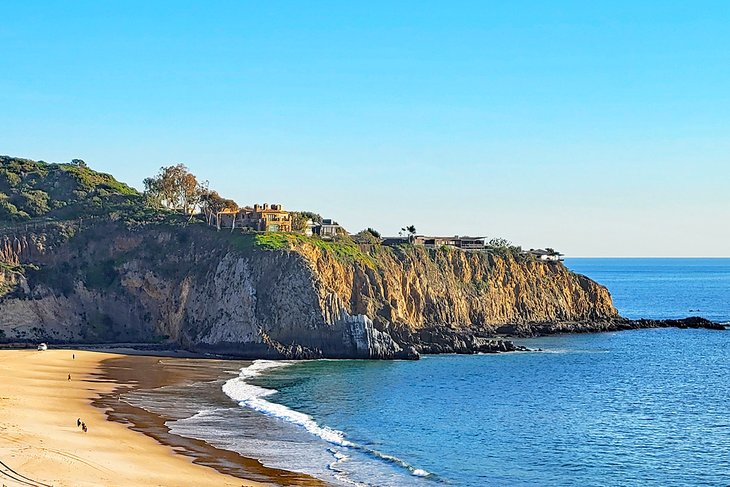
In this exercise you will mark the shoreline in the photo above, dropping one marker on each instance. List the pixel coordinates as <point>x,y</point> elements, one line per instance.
<point>430,340</point>
<point>158,372</point>
<point>40,443</point>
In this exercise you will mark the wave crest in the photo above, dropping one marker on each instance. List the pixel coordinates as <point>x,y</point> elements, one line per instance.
<point>253,397</point>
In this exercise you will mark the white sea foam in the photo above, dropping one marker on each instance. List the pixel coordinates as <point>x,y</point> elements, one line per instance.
<point>341,474</point>
<point>418,472</point>
<point>339,456</point>
<point>253,397</point>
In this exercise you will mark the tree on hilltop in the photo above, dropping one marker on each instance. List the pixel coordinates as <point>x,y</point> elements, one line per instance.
<point>212,203</point>
<point>300,219</point>
<point>372,232</point>
<point>368,235</point>
<point>176,189</point>
<point>410,231</point>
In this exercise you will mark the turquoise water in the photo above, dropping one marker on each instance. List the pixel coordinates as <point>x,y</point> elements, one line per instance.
<point>643,407</point>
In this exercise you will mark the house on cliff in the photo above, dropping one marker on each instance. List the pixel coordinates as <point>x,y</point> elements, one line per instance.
<point>260,218</point>
<point>458,242</point>
<point>328,229</point>
<point>463,242</point>
<point>546,255</point>
<point>310,227</point>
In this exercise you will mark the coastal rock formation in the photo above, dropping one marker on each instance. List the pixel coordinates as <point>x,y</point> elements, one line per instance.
<point>86,259</point>
<point>194,287</point>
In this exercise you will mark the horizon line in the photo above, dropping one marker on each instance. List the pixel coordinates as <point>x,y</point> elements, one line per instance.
<point>648,257</point>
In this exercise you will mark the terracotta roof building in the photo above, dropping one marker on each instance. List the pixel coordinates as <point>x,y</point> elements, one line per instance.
<point>260,218</point>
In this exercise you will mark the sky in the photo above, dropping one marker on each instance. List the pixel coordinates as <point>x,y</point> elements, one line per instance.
<point>596,128</point>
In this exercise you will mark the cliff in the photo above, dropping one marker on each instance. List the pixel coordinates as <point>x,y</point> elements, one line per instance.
<point>85,258</point>
<point>276,296</point>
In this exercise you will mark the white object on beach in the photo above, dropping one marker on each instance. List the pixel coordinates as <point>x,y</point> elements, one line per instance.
<point>42,347</point>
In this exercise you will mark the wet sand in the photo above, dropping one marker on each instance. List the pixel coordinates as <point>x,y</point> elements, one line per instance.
<point>40,443</point>
<point>163,371</point>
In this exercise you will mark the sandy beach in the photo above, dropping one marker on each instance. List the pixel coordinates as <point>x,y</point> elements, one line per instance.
<point>40,443</point>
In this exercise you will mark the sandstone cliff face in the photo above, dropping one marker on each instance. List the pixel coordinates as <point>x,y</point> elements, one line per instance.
<point>419,287</point>
<point>206,292</point>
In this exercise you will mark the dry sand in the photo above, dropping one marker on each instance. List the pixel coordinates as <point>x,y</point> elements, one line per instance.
<point>39,438</point>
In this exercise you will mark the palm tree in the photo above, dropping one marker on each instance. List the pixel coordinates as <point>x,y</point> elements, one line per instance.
<point>410,230</point>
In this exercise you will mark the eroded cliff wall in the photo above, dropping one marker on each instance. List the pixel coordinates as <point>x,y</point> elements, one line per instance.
<point>419,287</point>
<point>212,291</point>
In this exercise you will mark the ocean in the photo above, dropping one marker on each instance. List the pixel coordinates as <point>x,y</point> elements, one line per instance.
<point>663,288</point>
<point>640,407</point>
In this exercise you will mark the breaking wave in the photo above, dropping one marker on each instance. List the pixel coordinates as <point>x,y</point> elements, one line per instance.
<point>254,397</point>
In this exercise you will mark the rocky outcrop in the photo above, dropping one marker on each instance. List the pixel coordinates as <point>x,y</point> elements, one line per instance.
<point>437,340</point>
<point>217,292</point>
<point>617,324</point>
<point>690,322</point>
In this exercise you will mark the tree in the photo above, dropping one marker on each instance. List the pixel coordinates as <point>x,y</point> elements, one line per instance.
<point>410,230</point>
<point>299,219</point>
<point>192,193</point>
<point>153,192</point>
<point>372,232</point>
<point>212,203</point>
<point>499,243</point>
<point>368,236</point>
<point>78,162</point>
<point>503,246</point>
<point>175,188</point>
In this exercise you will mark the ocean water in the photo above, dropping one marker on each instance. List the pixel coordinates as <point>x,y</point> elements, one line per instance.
<point>634,408</point>
<point>663,288</point>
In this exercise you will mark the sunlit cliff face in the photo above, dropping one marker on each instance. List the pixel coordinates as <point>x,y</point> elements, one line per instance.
<point>152,285</point>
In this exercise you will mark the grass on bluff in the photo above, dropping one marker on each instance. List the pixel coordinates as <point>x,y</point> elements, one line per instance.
<point>274,241</point>
<point>343,250</point>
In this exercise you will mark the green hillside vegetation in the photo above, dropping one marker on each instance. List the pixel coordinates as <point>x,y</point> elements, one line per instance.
<point>57,195</point>
<point>343,249</point>
<point>31,190</point>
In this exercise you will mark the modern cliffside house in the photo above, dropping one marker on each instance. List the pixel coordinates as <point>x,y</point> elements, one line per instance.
<point>471,243</point>
<point>464,243</point>
<point>309,228</point>
<point>548,255</point>
<point>260,218</point>
<point>328,229</point>
<point>394,240</point>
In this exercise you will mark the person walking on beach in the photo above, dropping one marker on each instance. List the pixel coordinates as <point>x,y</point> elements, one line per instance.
<point>69,376</point>
<point>73,356</point>
<point>78,422</point>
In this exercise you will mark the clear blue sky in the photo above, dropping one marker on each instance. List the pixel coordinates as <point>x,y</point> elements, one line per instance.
<point>598,128</point>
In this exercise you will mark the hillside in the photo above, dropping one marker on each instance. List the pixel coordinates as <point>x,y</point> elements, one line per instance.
<point>142,275</point>
<point>31,190</point>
